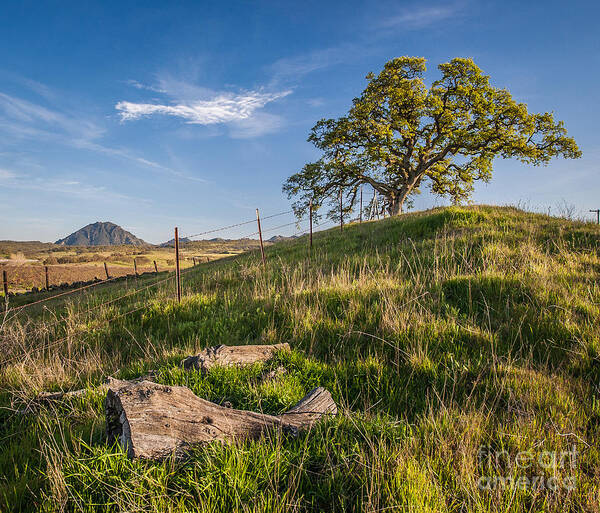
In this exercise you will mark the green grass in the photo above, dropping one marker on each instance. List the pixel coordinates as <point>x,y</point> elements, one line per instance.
<point>439,334</point>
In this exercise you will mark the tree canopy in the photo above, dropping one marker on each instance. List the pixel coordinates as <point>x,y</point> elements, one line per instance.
<point>400,134</point>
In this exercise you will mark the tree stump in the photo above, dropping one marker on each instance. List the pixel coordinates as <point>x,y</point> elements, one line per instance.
<point>154,421</point>
<point>232,355</point>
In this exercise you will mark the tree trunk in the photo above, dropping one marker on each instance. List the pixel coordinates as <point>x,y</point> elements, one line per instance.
<point>395,205</point>
<point>232,355</point>
<point>154,421</point>
<point>397,198</point>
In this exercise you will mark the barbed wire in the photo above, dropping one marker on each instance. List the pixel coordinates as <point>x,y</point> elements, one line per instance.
<point>219,229</point>
<point>236,225</point>
<point>283,226</point>
<point>59,341</point>
<point>54,296</point>
<point>98,306</point>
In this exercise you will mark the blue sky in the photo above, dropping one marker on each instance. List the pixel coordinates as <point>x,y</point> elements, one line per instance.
<point>157,114</point>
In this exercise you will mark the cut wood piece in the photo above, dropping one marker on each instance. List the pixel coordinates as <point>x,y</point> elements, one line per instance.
<point>309,409</point>
<point>154,421</point>
<point>232,355</point>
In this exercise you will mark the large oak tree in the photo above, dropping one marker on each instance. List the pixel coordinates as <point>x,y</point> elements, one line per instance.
<point>400,134</point>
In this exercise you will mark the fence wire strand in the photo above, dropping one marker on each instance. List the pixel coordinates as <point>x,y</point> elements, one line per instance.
<point>60,340</point>
<point>223,228</point>
<point>111,301</point>
<point>54,296</point>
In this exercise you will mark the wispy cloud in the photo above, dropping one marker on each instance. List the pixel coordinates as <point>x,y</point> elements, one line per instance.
<point>5,175</point>
<point>139,85</point>
<point>222,108</point>
<point>316,102</point>
<point>421,16</point>
<point>37,87</point>
<point>65,186</point>
<point>27,118</point>
<point>293,68</point>
<point>259,124</point>
<point>22,119</point>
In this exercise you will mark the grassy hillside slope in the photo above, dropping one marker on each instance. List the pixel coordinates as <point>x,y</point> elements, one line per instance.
<point>446,337</point>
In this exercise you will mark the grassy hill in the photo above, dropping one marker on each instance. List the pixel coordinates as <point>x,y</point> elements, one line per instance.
<point>457,342</point>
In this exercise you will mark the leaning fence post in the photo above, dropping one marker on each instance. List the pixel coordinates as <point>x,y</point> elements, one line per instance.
<point>262,249</point>
<point>5,283</point>
<point>47,279</point>
<point>155,267</point>
<point>106,271</point>
<point>177,274</point>
<point>310,209</point>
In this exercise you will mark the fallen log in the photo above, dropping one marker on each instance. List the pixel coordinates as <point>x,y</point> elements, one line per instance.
<point>232,355</point>
<point>109,381</point>
<point>154,421</point>
<point>216,355</point>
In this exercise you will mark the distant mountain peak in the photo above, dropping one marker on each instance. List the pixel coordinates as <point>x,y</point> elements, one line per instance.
<point>101,233</point>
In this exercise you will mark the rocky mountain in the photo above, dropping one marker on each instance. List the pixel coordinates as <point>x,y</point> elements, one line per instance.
<point>101,234</point>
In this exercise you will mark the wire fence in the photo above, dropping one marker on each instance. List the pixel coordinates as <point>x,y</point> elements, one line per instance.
<point>62,321</point>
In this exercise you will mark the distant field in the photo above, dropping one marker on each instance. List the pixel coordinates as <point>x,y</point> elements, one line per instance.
<point>25,261</point>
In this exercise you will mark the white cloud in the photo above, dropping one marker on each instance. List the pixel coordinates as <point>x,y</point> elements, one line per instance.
<point>222,108</point>
<point>421,17</point>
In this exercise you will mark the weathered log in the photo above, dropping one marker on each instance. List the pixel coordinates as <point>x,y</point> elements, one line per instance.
<point>154,421</point>
<point>108,382</point>
<point>232,355</point>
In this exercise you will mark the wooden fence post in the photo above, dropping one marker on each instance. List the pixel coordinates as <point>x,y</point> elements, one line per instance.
<point>155,267</point>
<point>341,213</point>
<point>177,274</point>
<point>5,283</point>
<point>361,205</point>
<point>47,278</point>
<point>135,268</point>
<point>106,271</point>
<point>262,249</point>
<point>310,221</point>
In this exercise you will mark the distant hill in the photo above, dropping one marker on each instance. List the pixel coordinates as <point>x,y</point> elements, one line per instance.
<point>101,234</point>
<point>279,238</point>
<point>171,243</point>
